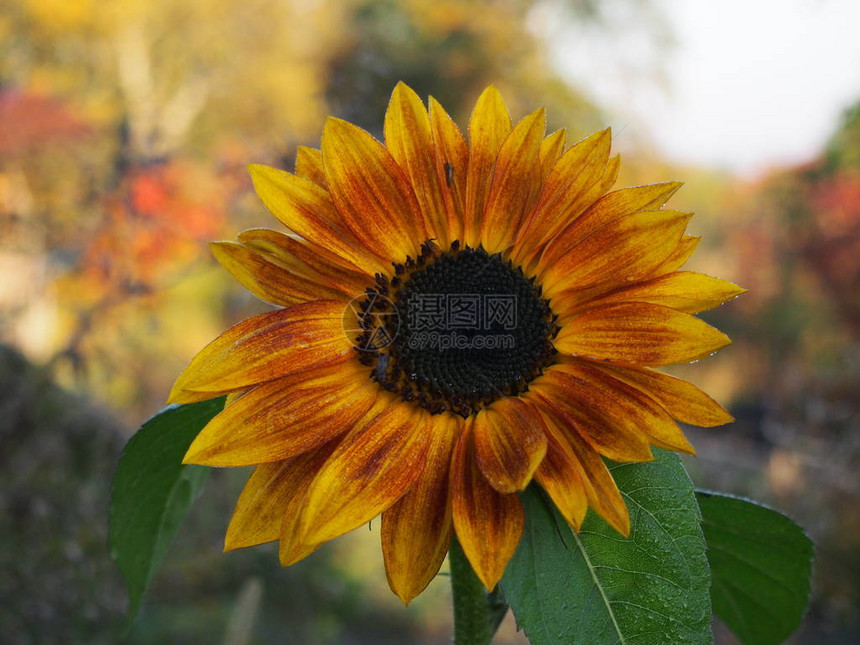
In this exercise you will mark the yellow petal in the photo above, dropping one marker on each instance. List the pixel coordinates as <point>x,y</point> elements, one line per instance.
<point>566,192</point>
<point>266,347</point>
<point>609,420</point>
<point>603,494</point>
<point>515,184</point>
<point>622,251</point>
<point>628,405</point>
<point>371,469</point>
<point>452,161</point>
<point>560,475</point>
<point>373,196</point>
<point>509,443</point>
<point>639,333</point>
<point>416,530</point>
<point>302,258</point>
<point>266,279</point>
<point>551,149</point>
<point>489,524</point>
<point>686,247</point>
<point>257,516</point>
<point>488,128</point>
<point>286,417</point>
<point>685,291</point>
<point>307,209</point>
<point>683,400</point>
<point>408,138</point>
<point>309,165</point>
<point>301,472</point>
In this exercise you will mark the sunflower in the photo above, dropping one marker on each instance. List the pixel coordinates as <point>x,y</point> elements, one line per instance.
<point>457,319</point>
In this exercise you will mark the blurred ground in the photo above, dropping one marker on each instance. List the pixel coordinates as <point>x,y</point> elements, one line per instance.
<point>126,128</point>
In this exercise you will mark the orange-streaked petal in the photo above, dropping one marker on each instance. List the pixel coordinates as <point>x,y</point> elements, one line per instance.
<point>302,470</point>
<point>488,128</point>
<point>307,209</point>
<point>565,192</point>
<point>373,195</point>
<point>608,208</point>
<point>416,530</point>
<point>489,524</point>
<point>681,399</point>
<point>265,347</point>
<point>286,417</point>
<point>309,165</point>
<point>622,251</point>
<point>371,469</point>
<point>686,247</point>
<point>560,475</point>
<point>638,333</point>
<point>452,162</point>
<point>685,291</point>
<point>271,489</point>
<point>265,278</point>
<point>408,138</point>
<point>515,184</point>
<point>509,443</point>
<point>628,405</point>
<point>309,261</point>
<point>600,487</point>
<point>551,149</point>
<point>608,419</point>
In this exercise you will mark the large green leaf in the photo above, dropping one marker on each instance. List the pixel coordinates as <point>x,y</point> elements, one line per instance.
<point>761,562</point>
<point>152,491</point>
<point>599,587</point>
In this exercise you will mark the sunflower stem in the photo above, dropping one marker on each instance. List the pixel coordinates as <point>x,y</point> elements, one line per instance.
<point>472,624</point>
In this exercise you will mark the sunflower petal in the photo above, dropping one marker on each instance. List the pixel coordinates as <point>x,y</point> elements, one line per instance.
<point>638,333</point>
<point>307,209</point>
<point>608,419</point>
<point>266,279</point>
<point>265,347</point>
<point>639,411</point>
<point>301,473</point>
<point>489,524</point>
<point>566,191</point>
<point>371,192</point>
<point>509,443</point>
<point>683,400</point>
<point>311,262</point>
<point>286,417</point>
<point>624,250</point>
<point>408,138</point>
<point>309,165</point>
<point>685,291</point>
<point>488,128</point>
<point>416,530</point>
<point>551,149</point>
<point>515,184</point>
<point>686,247</point>
<point>560,475</point>
<point>603,494</point>
<point>371,469</point>
<point>452,162</point>
<point>257,516</point>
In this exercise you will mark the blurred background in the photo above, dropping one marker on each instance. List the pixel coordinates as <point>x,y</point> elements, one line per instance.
<point>124,131</point>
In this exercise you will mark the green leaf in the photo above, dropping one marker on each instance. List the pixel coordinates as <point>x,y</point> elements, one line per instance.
<point>600,587</point>
<point>152,490</point>
<point>761,563</point>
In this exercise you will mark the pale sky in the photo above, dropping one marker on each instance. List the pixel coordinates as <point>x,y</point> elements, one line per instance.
<point>748,84</point>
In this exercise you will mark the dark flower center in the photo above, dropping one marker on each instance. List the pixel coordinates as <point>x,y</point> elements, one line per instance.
<point>456,330</point>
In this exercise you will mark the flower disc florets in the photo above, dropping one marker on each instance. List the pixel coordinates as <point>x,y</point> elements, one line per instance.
<point>463,329</point>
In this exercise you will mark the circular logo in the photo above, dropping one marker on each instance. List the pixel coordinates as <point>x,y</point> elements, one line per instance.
<point>370,322</point>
